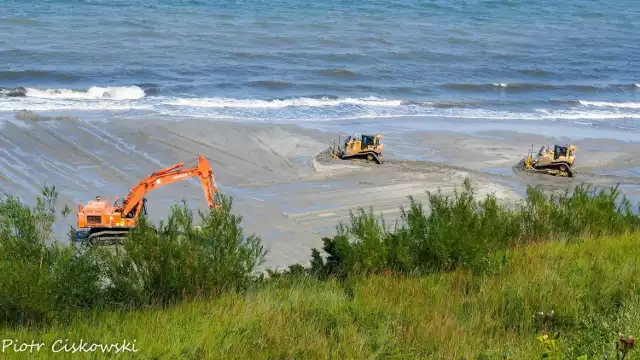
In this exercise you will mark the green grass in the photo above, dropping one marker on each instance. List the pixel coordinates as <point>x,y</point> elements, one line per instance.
<point>459,278</point>
<point>592,286</point>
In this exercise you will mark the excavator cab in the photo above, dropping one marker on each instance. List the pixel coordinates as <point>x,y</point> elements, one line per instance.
<point>143,211</point>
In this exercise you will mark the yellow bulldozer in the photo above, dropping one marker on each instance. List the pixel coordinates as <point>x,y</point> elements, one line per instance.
<point>558,162</point>
<point>366,147</point>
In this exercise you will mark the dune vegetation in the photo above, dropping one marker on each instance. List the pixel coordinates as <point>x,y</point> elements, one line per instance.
<point>457,278</point>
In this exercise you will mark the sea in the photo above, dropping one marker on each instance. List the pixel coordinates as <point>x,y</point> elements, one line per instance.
<point>428,64</point>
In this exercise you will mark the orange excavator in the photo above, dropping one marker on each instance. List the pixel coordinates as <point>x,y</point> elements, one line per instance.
<point>107,224</point>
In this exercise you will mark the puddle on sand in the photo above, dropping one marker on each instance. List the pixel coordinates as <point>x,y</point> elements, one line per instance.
<point>623,172</point>
<point>507,171</point>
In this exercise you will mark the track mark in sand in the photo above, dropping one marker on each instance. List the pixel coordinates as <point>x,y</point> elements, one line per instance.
<point>49,163</point>
<point>270,149</point>
<point>79,149</point>
<point>18,176</point>
<point>167,143</point>
<point>119,141</point>
<point>217,148</point>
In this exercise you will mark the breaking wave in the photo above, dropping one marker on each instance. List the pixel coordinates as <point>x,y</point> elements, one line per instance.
<point>132,100</point>
<point>621,105</point>
<point>93,93</point>
<point>523,87</point>
<point>13,92</point>
<point>296,102</point>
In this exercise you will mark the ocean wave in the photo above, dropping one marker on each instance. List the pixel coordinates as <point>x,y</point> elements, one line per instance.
<point>36,104</point>
<point>296,102</point>
<point>31,75</point>
<point>271,84</point>
<point>19,21</point>
<point>444,104</point>
<point>338,73</point>
<point>522,87</point>
<point>582,115</point>
<point>13,92</point>
<point>535,72</point>
<point>494,86</point>
<point>312,109</point>
<point>622,105</point>
<point>93,93</point>
<point>481,114</point>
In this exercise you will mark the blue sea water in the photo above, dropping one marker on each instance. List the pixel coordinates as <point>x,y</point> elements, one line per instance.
<point>300,61</point>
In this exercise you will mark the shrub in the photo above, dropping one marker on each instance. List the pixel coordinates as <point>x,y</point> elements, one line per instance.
<point>461,232</point>
<point>178,259</point>
<point>38,280</point>
<point>156,265</point>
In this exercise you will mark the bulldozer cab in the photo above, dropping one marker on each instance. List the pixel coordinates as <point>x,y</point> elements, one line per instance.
<point>370,141</point>
<point>566,152</point>
<point>367,140</point>
<point>559,151</point>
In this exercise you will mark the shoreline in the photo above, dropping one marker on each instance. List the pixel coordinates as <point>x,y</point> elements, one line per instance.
<point>272,171</point>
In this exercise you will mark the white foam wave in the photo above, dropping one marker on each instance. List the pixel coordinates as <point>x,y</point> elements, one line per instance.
<point>623,105</point>
<point>37,104</point>
<point>586,115</point>
<point>301,109</point>
<point>94,93</point>
<point>274,104</point>
<point>294,115</point>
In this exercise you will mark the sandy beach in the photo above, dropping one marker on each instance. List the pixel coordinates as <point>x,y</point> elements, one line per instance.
<point>286,189</point>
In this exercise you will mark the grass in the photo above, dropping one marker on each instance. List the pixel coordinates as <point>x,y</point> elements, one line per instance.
<point>461,278</point>
<point>591,286</point>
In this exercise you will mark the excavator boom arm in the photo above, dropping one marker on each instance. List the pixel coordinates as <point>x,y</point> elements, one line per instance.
<point>169,176</point>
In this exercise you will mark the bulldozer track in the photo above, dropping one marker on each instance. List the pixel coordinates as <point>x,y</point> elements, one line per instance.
<point>369,156</point>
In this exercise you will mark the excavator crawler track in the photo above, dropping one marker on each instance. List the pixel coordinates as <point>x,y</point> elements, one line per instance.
<point>107,237</point>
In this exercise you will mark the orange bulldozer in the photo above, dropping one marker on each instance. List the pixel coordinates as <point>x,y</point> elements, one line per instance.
<point>107,224</point>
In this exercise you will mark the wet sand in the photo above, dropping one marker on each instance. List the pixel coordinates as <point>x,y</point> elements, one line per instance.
<point>285,192</point>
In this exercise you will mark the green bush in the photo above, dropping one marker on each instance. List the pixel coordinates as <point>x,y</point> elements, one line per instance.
<point>178,259</point>
<point>461,232</point>
<point>156,265</point>
<point>39,280</point>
